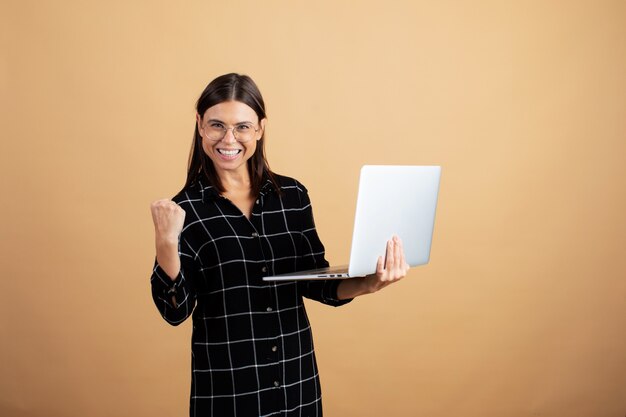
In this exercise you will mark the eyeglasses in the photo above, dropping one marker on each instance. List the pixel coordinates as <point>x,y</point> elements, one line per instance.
<point>243,132</point>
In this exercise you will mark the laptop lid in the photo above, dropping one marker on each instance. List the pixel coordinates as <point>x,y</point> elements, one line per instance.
<point>392,200</point>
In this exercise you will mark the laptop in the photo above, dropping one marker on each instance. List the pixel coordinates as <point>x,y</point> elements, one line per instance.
<point>392,200</point>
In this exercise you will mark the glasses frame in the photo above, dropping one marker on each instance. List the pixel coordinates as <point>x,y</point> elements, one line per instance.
<point>256,128</point>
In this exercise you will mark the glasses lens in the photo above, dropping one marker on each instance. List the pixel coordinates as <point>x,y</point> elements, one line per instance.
<point>215,132</point>
<point>244,133</point>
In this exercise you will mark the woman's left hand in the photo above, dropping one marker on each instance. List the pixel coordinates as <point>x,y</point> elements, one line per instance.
<point>390,269</point>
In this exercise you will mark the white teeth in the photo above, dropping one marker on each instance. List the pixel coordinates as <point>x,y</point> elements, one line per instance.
<point>229,152</point>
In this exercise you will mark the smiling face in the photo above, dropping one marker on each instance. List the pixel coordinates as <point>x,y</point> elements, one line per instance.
<point>229,156</point>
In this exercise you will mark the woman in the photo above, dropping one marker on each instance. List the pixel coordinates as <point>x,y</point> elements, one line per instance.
<point>234,222</point>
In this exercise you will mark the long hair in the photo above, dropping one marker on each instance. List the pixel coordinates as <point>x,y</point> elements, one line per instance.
<point>229,87</point>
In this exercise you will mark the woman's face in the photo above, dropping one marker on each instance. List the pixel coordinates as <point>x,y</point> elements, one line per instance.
<point>231,152</point>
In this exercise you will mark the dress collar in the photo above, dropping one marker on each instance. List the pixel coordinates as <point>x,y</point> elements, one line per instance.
<point>208,192</point>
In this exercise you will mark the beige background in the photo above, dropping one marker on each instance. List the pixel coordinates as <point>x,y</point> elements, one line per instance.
<point>521,310</point>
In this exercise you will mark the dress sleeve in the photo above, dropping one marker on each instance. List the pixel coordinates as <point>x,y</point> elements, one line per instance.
<point>312,256</point>
<point>176,299</point>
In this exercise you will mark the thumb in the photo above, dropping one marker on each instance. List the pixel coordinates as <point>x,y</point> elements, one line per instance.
<point>380,267</point>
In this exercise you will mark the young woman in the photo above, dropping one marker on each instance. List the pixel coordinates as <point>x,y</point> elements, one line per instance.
<point>234,222</point>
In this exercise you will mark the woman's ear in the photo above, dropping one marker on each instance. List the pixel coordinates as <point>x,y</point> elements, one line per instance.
<point>199,122</point>
<point>262,131</point>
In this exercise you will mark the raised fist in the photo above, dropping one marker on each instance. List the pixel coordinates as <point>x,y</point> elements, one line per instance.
<point>168,218</point>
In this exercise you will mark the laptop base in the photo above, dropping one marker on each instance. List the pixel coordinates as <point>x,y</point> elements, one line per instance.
<point>333,272</point>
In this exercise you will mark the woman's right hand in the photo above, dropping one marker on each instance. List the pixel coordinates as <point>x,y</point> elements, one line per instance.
<point>168,218</point>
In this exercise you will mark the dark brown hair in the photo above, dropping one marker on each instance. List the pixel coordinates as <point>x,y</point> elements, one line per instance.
<point>229,87</point>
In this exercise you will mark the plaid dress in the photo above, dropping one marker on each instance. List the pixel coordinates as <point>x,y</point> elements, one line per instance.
<point>252,347</point>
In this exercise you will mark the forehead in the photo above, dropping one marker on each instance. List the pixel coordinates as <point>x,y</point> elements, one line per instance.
<point>231,112</point>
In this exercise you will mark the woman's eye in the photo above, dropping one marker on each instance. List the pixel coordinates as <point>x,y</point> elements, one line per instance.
<point>242,128</point>
<point>216,125</point>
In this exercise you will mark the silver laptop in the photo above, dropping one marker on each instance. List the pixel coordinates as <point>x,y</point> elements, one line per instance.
<point>392,200</point>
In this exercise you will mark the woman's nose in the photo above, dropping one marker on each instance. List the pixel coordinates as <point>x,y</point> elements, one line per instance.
<point>229,137</point>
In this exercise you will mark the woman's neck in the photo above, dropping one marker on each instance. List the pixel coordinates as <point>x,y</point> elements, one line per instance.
<point>235,182</point>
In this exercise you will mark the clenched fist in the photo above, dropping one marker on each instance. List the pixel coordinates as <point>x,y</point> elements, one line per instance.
<point>168,220</point>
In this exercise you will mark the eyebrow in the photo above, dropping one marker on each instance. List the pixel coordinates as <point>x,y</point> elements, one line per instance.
<point>236,124</point>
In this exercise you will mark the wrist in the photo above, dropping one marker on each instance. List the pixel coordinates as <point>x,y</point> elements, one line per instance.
<point>370,284</point>
<point>353,287</point>
<point>166,242</point>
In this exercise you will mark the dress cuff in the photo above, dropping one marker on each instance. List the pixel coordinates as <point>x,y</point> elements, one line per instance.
<point>167,287</point>
<point>330,293</point>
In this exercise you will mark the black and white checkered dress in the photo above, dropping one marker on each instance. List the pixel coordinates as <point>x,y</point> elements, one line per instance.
<point>252,347</point>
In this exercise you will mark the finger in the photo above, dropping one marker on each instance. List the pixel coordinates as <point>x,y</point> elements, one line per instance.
<point>395,271</point>
<point>390,263</point>
<point>156,208</point>
<point>159,202</point>
<point>405,268</point>
<point>397,254</point>
<point>402,258</point>
<point>153,206</point>
<point>386,254</point>
<point>380,266</point>
<point>405,265</point>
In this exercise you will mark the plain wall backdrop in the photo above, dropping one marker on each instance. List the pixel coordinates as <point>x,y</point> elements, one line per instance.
<point>521,309</point>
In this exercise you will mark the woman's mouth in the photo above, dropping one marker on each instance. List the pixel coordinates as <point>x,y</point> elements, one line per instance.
<point>228,153</point>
